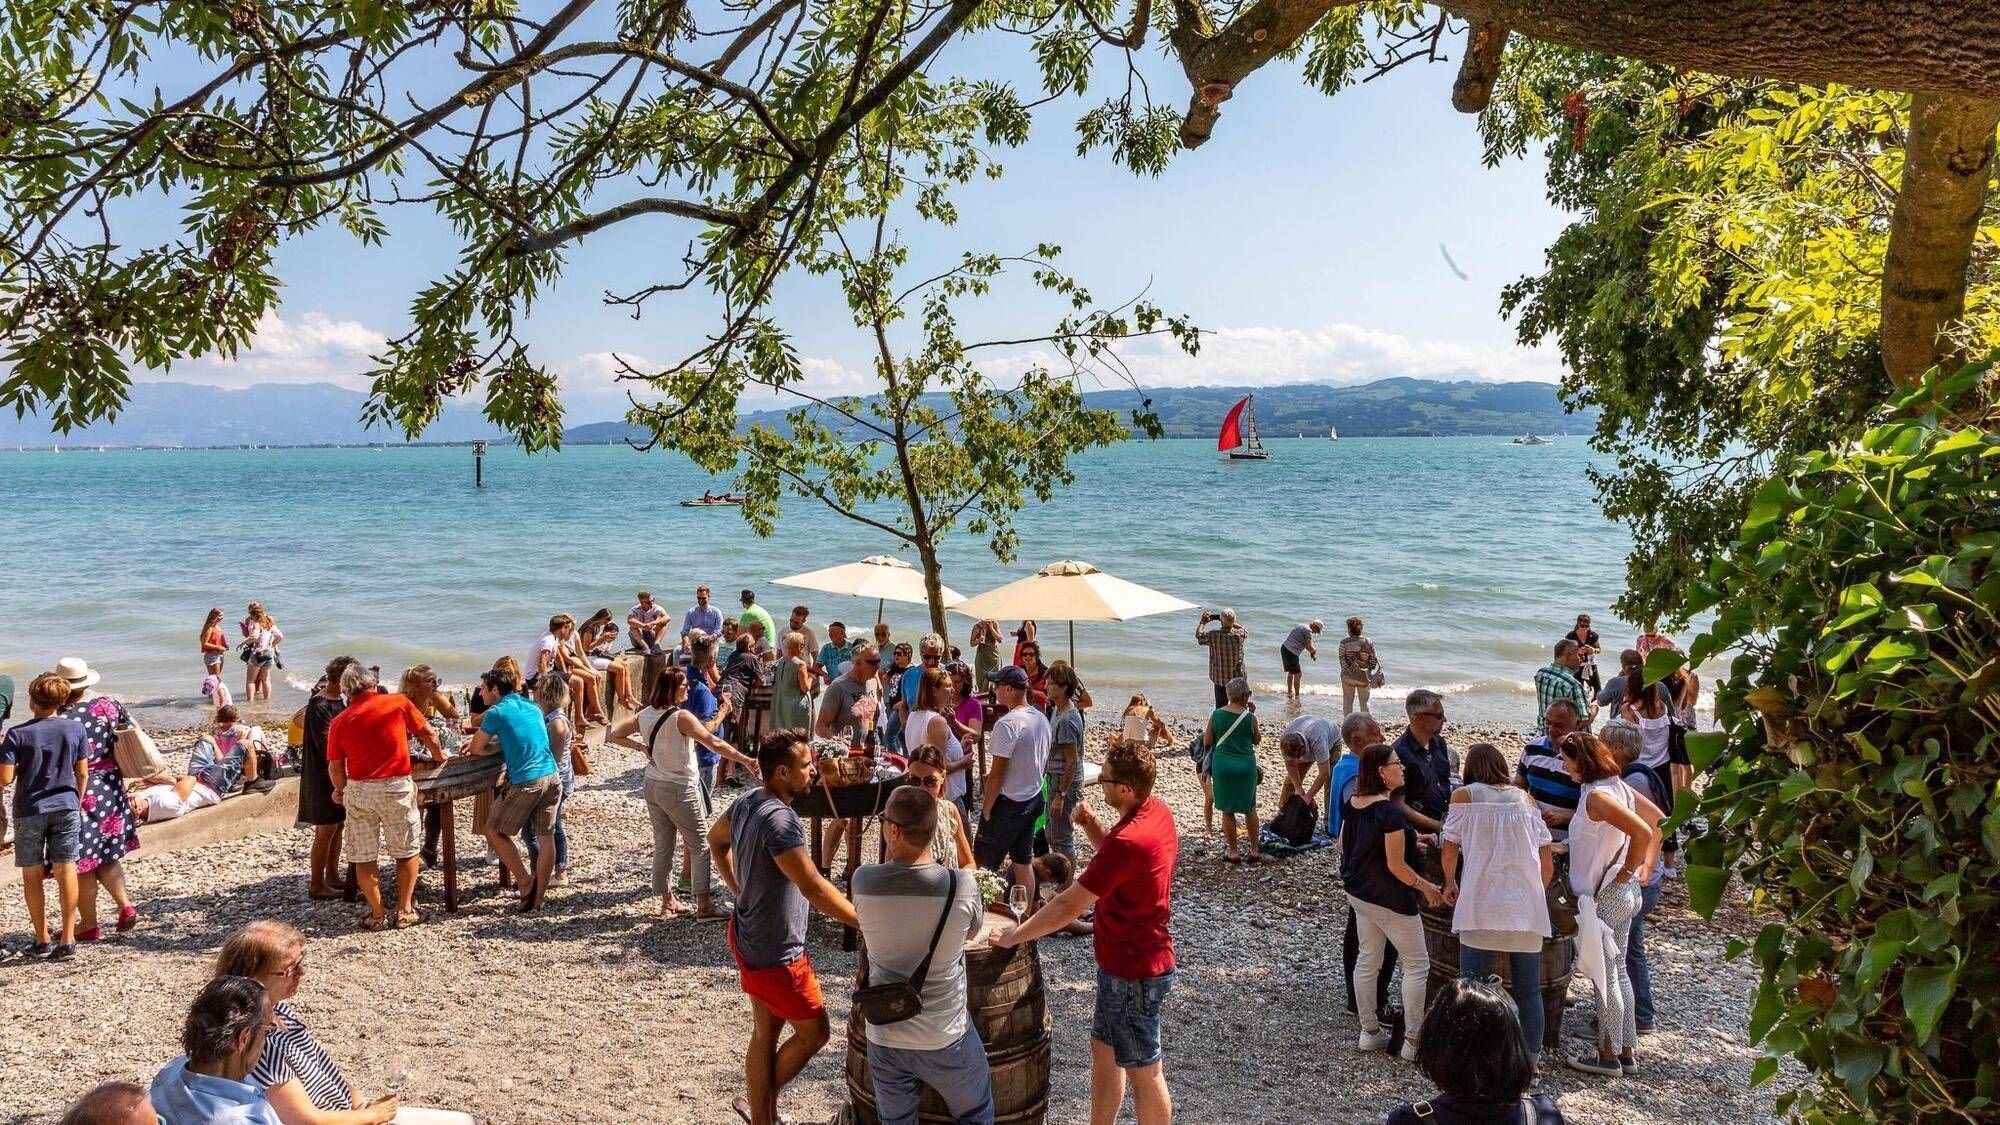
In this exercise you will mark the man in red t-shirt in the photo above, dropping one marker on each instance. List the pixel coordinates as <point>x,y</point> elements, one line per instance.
<point>1130,880</point>
<point>368,762</point>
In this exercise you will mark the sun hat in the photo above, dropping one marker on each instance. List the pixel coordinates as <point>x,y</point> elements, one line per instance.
<point>77,671</point>
<point>1011,676</point>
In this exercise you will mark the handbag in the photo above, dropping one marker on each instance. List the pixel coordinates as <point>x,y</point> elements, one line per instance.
<point>1561,901</point>
<point>136,754</point>
<point>1376,677</point>
<point>578,764</point>
<point>899,1000</point>
<point>244,650</point>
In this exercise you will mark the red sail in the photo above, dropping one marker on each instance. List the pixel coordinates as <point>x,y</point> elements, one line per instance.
<point>1232,432</point>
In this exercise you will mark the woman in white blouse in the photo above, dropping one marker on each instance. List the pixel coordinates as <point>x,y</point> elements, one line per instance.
<point>1500,898</point>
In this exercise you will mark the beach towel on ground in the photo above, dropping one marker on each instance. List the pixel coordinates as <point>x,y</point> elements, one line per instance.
<point>1274,844</point>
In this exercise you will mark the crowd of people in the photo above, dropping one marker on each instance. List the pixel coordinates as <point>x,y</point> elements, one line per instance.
<point>1419,826</point>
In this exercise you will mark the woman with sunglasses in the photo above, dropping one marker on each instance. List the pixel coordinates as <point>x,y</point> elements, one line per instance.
<point>950,847</point>
<point>1378,855</point>
<point>295,1072</point>
<point>1614,840</point>
<point>928,727</point>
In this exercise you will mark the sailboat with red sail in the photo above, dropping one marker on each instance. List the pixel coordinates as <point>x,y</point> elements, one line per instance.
<point>1238,439</point>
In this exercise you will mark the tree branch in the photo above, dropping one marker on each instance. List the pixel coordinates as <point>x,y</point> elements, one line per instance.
<point>1947,167</point>
<point>1485,44</point>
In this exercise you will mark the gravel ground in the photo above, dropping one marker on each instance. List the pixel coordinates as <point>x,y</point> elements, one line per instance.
<point>597,1011</point>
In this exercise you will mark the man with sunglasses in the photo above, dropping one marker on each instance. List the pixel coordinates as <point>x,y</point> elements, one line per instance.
<point>1427,762</point>
<point>759,849</point>
<point>836,717</point>
<point>930,654</point>
<point>1130,881</point>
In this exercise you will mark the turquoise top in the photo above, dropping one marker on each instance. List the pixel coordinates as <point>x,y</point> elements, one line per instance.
<point>523,734</point>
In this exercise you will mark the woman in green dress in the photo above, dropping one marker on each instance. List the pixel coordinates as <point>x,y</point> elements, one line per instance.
<point>985,641</point>
<point>791,686</point>
<point>1232,736</point>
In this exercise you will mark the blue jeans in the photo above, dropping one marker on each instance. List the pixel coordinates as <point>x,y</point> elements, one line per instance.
<point>1635,956</point>
<point>534,849</point>
<point>1127,1018</point>
<point>1525,973</point>
<point>958,1073</point>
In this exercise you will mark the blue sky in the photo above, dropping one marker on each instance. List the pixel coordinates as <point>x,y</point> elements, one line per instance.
<point>1305,235</point>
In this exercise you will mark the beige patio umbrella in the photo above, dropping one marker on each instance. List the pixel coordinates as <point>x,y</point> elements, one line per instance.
<point>882,577</point>
<point>1070,591</point>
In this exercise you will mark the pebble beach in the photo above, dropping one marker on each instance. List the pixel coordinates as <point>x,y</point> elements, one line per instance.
<point>598,1011</point>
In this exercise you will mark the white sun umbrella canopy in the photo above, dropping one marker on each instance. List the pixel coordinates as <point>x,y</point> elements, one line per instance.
<point>882,577</point>
<point>1070,591</point>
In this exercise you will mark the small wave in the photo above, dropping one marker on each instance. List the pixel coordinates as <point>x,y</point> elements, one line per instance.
<point>299,683</point>
<point>1493,685</point>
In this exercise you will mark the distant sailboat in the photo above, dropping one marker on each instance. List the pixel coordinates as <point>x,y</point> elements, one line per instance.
<point>1332,433</point>
<point>1238,439</point>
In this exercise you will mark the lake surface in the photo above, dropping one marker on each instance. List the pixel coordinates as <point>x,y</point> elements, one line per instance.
<point>1466,556</point>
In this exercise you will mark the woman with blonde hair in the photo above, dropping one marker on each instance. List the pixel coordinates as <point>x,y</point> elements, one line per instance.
<point>299,1078</point>
<point>791,686</point>
<point>213,646</point>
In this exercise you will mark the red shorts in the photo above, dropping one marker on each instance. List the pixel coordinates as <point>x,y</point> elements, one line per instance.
<point>790,990</point>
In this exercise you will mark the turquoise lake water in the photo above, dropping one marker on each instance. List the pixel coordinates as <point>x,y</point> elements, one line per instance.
<point>1467,557</point>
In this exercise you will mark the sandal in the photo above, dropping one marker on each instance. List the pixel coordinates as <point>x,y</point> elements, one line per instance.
<point>407,919</point>
<point>374,924</point>
<point>1231,857</point>
<point>128,918</point>
<point>322,896</point>
<point>91,934</point>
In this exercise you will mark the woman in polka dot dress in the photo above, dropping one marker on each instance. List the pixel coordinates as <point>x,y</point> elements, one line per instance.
<point>109,828</point>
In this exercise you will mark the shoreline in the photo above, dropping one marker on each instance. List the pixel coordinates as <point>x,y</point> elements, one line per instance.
<point>642,1020</point>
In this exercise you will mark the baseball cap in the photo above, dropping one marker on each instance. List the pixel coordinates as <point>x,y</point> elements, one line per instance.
<point>1011,676</point>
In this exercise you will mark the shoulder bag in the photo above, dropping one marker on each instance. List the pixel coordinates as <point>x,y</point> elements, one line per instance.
<point>899,1000</point>
<point>137,755</point>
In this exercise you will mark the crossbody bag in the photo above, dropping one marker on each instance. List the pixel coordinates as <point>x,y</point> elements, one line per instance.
<point>899,1000</point>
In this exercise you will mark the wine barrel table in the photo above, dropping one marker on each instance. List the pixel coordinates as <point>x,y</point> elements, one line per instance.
<point>1557,964</point>
<point>852,803</point>
<point>1006,1002</point>
<point>444,786</point>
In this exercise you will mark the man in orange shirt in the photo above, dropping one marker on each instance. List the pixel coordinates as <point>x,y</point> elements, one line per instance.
<point>368,760</point>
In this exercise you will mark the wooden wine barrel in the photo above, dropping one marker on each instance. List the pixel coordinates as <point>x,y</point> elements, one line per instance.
<point>1005,999</point>
<point>1558,957</point>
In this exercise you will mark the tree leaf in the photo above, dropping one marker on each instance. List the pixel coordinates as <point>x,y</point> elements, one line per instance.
<point>1705,886</point>
<point>1663,662</point>
<point>1926,991</point>
<point>1705,747</point>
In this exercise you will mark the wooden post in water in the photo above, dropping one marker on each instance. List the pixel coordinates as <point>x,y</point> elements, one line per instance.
<point>479,464</point>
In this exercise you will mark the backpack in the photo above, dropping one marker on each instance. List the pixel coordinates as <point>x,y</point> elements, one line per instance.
<point>1295,821</point>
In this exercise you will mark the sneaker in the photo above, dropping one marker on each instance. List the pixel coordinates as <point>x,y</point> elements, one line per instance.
<point>1629,1066</point>
<point>39,949</point>
<point>1409,1051</point>
<point>63,952</point>
<point>1645,1028</point>
<point>558,877</point>
<point>1378,1040</point>
<point>1591,1064</point>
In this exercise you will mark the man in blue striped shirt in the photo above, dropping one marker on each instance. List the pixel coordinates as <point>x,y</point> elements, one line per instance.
<point>1541,771</point>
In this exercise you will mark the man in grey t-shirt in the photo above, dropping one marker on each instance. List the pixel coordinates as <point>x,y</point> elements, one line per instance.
<point>760,851</point>
<point>1065,768</point>
<point>900,903</point>
<point>1308,741</point>
<point>1019,745</point>
<point>836,717</point>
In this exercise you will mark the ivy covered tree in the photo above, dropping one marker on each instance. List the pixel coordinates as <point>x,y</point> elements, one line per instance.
<point>1718,300</point>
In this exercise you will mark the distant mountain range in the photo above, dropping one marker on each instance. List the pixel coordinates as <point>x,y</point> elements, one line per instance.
<point>1398,407</point>
<point>192,415</point>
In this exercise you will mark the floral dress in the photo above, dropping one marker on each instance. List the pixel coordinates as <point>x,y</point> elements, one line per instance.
<point>109,828</point>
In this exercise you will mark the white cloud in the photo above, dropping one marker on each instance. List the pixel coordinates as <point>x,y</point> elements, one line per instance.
<point>594,373</point>
<point>314,349</point>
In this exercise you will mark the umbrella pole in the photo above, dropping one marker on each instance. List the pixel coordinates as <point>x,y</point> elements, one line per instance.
<point>878,610</point>
<point>1072,644</point>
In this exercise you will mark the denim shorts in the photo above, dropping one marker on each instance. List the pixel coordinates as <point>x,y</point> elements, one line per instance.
<point>1128,1017</point>
<point>46,839</point>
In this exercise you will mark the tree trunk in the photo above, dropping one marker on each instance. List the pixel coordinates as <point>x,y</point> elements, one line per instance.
<point>1947,168</point>
<point>933,588</point>
<point>1920,46</point>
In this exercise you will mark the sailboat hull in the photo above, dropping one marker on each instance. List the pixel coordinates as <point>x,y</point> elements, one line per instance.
<point>1246,455</point>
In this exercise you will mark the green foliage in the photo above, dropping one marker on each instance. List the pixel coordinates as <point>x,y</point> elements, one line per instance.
<point>1716,299</point>
<point>1856,779</point>
<point>947,443</point>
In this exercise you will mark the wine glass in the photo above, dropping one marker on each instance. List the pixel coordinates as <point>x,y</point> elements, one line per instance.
<point>1017,897</point>
<point>399,1075</point>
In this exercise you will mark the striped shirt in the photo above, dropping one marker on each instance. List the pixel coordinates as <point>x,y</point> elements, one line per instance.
<point>1225,652</point>
<point>291,1052</point>
<point>1357,659</point>
<point>1557,682</point>
<point>1548,782</point>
